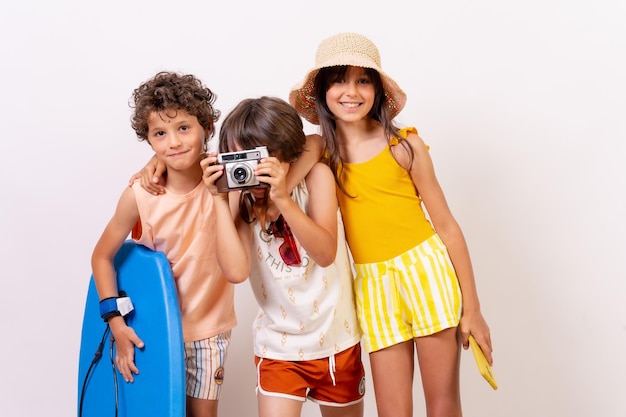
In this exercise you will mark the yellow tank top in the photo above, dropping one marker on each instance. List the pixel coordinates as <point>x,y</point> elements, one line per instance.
<point>384,218</point>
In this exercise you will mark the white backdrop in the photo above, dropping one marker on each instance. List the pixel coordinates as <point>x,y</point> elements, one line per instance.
<point>522,103</point>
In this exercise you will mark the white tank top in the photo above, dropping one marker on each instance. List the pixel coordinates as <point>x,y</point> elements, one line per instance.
<point>306,312</point>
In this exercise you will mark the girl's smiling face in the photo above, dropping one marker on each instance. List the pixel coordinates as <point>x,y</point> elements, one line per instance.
<point>351,97</point>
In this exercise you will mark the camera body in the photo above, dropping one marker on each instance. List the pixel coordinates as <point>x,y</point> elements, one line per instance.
<point>239,169</point>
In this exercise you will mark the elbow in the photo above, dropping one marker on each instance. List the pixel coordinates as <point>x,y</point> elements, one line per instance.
<point>327,257</point>
<point>97,259</point>
<point>327,261</point>
<point>236,275</point>
<point>234,269</point>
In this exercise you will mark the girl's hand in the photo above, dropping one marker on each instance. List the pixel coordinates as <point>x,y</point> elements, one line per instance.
<point>126,340</point>
<point>151,176</point>
<point>211,172</point>
<point>474,323</point>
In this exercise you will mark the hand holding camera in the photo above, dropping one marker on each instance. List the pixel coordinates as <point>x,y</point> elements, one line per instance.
<point>239,169</point>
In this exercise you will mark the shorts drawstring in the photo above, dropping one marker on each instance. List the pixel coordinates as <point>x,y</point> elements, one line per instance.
<point>331,368</point>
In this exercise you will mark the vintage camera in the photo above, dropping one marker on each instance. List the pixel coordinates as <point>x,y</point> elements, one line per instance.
<point>239,169</point>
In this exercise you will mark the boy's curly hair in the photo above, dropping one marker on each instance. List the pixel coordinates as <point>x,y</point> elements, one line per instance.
<point>168,91</point>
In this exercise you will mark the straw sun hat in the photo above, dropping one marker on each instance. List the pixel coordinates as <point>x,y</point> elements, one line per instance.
<point>344,49</point>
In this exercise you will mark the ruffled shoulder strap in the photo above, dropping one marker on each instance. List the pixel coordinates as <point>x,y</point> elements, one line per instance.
<point>404,132</point>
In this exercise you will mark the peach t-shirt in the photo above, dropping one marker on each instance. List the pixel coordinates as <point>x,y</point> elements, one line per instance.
<point>183,228</point>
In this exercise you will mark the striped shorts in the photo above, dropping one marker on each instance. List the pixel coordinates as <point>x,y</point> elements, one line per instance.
<point>412,295</point>
<point>204,366</point>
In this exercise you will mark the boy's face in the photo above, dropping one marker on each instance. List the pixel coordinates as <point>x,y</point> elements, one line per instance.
<point>177,138</point>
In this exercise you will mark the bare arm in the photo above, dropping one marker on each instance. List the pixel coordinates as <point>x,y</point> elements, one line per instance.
<point>423,174</point>
<point>300,168</point>
<point>320,237</point>
<point>311,155</point>
<point>317,231</point>
<point>116,231</point>
<point>233,234</point>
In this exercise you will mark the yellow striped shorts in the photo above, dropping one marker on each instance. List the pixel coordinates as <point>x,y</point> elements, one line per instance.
<point>414,294</point>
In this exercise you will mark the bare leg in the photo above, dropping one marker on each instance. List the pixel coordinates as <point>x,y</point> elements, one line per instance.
<point>354,410</point>
<point>276,406</point>
<point>392,376</point>
<point>439,361</point>
<point>197,407</point>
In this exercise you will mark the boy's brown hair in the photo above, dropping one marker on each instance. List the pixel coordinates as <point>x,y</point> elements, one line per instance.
<point>169,92</point>
<point>264,121</point>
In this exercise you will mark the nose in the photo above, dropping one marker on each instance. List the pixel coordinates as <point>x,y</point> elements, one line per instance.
<point>175,141</point>
<point>351,88</point>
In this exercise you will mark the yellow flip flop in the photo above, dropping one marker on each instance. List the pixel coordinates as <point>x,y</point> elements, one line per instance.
<point>481,362</point>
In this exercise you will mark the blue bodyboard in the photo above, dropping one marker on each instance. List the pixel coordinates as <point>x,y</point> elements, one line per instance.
<point>159,388</point>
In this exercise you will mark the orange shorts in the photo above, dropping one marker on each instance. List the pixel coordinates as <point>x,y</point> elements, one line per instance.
<point>338,380</point>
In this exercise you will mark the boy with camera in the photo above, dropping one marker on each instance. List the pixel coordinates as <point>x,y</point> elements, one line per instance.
<point>306,335</point>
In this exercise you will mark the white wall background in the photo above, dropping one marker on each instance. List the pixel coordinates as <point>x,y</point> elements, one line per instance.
<point>522,103</point>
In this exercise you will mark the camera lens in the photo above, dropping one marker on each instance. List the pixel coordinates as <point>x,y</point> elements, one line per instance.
<point>240,174</point>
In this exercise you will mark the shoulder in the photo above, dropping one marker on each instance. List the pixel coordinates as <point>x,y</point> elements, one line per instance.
<point>136,188</point>
<point>320,172</point>
<point>320,179</point>
<point>314,136</point>
<point>410,135</point>
<point>127,211</point>
<point>416,142</point>
<point>315,143</point>
<point>406,131</point>
<point>140,193</point>
<point>132,191</point>
<point>417,145</point>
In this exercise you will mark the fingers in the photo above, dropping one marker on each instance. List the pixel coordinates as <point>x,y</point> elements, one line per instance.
<point>124,361</point>
<point>268,167</point>
<point>152,183</point>
<point>125,354</point>
<point>160,170</point>
<point>136,176</point>
<point>270,171</point>
<point>210,159</point>
<point>136,341</point>
<point>465,340</point>
<point>483,338</point>
<point>211,172</point>
<point>123,365</point>
<point>485,346</point>
<point>151,177</point>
